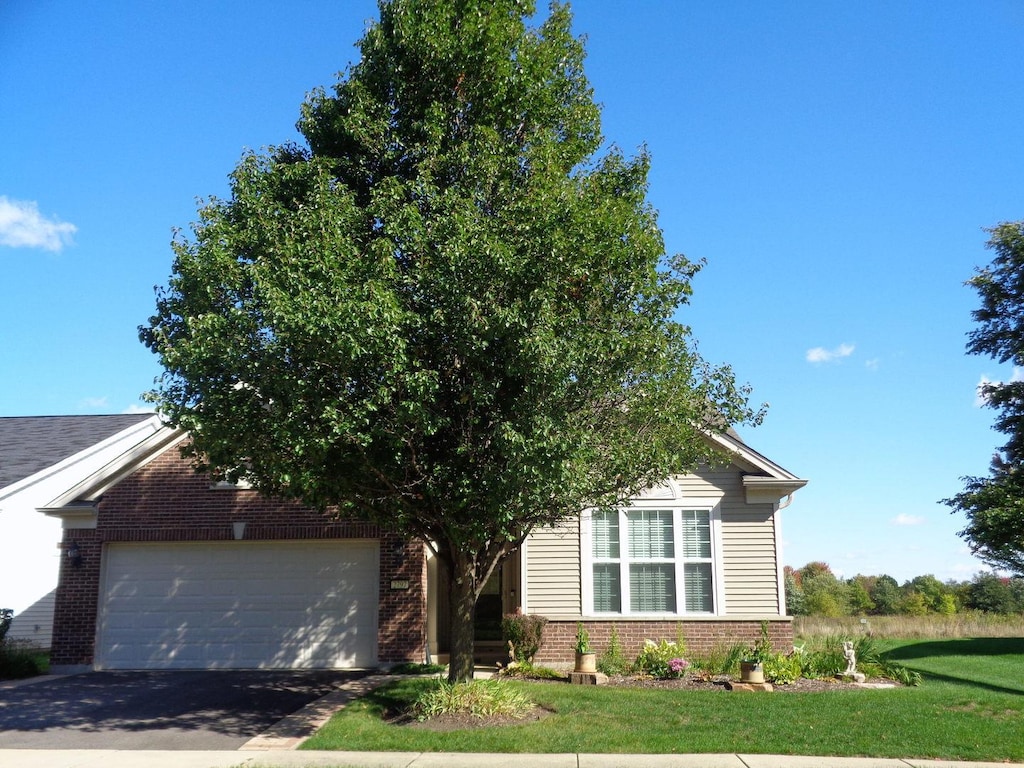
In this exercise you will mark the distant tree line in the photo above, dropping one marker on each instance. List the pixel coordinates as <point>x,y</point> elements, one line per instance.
<point>815,590</point>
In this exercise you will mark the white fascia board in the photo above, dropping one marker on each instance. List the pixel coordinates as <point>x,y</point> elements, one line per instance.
<point>83,516</point>
<point>751,457</point>
<point>114,471</point>
<point>129,436</point>
<point>769,490</point>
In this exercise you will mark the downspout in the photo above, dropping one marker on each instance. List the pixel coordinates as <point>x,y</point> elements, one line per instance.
<point>779,566</point>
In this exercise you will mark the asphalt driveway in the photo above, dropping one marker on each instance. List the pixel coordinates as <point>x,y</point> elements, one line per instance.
<point>156,710</point>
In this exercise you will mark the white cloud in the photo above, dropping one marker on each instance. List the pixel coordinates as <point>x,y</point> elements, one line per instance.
<point>136,408</point>
<point>23,226</point>
<point>905,519</point>
<point>872,364</point>
<point>979,398</point>
<point>964,571</point>
<point>822,355</point>
<point>94,402</point>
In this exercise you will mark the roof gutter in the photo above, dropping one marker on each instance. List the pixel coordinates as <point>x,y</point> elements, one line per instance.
<point>771,490</point>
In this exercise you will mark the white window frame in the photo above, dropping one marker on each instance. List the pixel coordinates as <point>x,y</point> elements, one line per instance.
<point>676,506</point>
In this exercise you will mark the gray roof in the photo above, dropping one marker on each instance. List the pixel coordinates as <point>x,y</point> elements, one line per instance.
<point>29,444</point>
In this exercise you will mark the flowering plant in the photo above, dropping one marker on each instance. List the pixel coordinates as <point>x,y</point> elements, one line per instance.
<point>662,660</point>
<point>678,667</point>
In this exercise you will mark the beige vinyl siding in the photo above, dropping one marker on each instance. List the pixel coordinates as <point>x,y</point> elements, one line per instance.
<point>553,571</point>
<point>711,482</point>
<point>749,561</point>
<point>750,564</point>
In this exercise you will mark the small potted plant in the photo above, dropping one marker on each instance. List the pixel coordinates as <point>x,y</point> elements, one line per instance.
<point>586,659</point>
<point>752,663</point>
<point>752,667</point>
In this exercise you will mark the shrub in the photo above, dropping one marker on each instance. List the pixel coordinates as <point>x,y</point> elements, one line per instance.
<point>782,669</point>
<point>872,662</point>
<point>664,659</point>
<point>866,649</point>
<point>825,658</point>
<point>720,661</point>
<point>613,661</point>
<point>524,635</point>
<point>899,673</point>
<point>479,698</point>
<point>6,617</point>
<point>527,671</point>
<point>18,660</point>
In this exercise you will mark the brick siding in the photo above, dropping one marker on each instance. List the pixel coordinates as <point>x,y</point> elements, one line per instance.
<point>167,501</point>
<point>559,641</point>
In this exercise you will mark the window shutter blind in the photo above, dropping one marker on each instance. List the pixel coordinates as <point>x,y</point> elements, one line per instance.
<point>652,588</point>
<point>607,591</point>
<point>605,533</point>
<point>696,533</point>
<point>697,588</point>
<point>650,534</point>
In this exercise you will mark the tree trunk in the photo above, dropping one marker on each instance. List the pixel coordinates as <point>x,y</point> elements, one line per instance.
<point>462,619</point>
<point>469,569</point>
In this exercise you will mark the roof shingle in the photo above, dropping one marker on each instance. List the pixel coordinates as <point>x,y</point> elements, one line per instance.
<point>29,444</point>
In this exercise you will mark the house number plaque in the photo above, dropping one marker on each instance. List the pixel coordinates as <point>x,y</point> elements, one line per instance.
<point>400,584</point>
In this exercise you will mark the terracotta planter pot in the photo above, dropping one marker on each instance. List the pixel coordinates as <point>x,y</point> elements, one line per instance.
<point>751,672</point>
<point>586,662</point>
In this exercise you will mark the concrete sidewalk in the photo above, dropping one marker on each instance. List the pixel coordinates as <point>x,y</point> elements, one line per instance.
<point>66,758</point>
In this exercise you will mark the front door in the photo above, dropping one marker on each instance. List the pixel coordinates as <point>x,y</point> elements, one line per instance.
<point>487,630</point>
<point>499,597</point>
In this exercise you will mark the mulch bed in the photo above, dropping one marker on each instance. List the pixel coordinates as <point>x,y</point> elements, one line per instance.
<point>463,721</point>
<point>803,685</point>
<point>460,721</point>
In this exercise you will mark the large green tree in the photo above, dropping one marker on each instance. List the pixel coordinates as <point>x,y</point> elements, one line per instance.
<point>442,310</point>
<point>994,505</point>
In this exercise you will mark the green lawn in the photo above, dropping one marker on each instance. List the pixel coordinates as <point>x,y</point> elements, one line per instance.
<point>971,707</point>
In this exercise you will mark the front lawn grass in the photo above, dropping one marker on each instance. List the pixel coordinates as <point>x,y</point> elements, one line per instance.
<point>970,707</point>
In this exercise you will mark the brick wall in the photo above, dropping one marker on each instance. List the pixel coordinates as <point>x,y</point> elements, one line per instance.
<point>402,610</point>
<point>166,501</point>
<point>74,615</point>
<point>700,636</point>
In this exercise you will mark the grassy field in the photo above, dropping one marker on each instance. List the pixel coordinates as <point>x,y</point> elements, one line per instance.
<point>971,707</point>
<point>965,624</point>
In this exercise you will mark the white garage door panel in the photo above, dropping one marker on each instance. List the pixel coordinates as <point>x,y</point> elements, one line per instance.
<point>241,605</point>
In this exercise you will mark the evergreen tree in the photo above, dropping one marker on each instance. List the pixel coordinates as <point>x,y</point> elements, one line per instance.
<point>994,505</point>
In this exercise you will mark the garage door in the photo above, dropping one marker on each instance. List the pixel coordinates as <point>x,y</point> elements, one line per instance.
<point>239,605</point>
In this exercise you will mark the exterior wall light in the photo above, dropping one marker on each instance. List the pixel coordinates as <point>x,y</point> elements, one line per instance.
<point>74,555</point>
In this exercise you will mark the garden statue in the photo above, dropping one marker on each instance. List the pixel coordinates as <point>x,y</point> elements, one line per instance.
<point>851,658</point>
<point>851,672</point>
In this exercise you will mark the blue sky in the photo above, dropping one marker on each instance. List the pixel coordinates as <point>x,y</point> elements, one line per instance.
<point>835,163</point>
